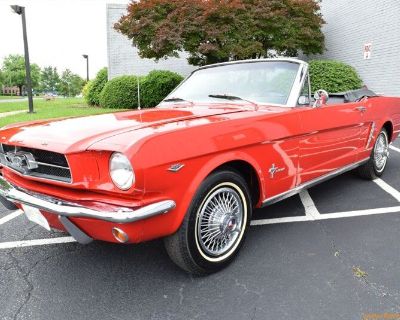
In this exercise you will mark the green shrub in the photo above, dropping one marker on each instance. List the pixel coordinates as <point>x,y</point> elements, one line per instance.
<point>157,85</point>
<point>120,92</point>
<point>333,76</point>
<point>86,88</point>
<point>94,90</point>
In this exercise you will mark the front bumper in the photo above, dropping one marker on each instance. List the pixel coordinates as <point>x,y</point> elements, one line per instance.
<point>67,209</point>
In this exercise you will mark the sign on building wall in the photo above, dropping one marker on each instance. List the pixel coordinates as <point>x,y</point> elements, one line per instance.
<point>367,51</point>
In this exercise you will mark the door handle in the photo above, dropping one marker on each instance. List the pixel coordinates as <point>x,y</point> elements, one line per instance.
<point>361,109</point>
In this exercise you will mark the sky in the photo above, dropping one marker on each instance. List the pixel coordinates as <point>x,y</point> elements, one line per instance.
<point>59,32</point>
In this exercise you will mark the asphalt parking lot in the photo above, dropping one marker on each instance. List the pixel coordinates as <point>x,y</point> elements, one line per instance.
<point>331,253</point>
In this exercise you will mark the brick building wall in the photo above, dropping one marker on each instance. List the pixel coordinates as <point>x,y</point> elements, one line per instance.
<point>353,23</point>
<point>10,90</point>
<point>123,58</point>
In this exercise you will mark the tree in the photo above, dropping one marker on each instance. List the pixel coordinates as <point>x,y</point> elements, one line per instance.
<point>14,72</point>
<point>1,79</point>
<point>216,31</point>
<point>70,84</point>
<point>50,79</point>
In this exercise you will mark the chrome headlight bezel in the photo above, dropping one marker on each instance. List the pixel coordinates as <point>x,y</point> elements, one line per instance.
<point>121,171</point>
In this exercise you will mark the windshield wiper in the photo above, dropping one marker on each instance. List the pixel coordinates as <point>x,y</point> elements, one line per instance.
<point>177,99</point>
<point>229,97</point>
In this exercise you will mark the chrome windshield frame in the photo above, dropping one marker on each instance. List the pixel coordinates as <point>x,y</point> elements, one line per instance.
<point>293,97</point>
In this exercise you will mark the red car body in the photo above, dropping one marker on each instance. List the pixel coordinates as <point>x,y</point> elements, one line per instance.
<point>280,148</point>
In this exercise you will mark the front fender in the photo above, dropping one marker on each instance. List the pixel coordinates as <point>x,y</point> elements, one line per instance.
<point>182,186</point>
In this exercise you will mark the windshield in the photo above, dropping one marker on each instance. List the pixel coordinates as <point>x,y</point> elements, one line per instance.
<point>267,82</point>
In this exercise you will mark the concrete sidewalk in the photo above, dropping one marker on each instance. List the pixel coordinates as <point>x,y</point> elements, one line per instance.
<point>6,114</point>
<point>19,100</point>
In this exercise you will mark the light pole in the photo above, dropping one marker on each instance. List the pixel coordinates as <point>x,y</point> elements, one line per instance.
<point>21,11</point>
<point>87,65</point>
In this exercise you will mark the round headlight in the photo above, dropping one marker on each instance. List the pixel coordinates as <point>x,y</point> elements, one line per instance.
<point>121,171</point>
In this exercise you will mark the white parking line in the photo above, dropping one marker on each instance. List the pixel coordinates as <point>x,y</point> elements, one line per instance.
<point>262,222</point>
<point>36,242</point>
<point>10,216</point>
<point>311,211</point>
<point>389,189</point>
<point>327,216</point>
<point>309,205</point>
<point>394,148</point>
<point>359,213</point>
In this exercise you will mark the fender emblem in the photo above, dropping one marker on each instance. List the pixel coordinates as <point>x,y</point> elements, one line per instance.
<point>273,170</point>
<point>176,167</point>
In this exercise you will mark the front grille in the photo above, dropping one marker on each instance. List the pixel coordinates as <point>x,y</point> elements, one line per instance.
<point>36,162</point>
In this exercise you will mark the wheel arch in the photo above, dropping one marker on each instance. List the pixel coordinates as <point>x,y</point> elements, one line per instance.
<point>241,162</point>
<point>388,126</point>
<point>249,174</point>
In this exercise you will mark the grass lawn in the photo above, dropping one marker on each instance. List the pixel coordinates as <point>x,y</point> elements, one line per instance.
<point>70,107</point>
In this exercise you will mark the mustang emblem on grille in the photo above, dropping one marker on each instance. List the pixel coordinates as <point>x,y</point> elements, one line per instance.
<point>20,160</point>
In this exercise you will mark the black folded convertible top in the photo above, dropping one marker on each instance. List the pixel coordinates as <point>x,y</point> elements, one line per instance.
<point>353,95</point>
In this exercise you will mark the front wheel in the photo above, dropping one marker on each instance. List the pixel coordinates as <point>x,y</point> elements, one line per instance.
<point>376,164</point>
<point>215,225</point>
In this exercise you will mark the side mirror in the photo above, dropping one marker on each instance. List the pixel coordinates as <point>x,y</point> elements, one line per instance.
<point>321,97</point>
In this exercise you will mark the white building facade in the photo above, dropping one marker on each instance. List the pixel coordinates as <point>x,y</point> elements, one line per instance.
<point>366,35</point>
<point>123,57</point>
<point>362,33</point>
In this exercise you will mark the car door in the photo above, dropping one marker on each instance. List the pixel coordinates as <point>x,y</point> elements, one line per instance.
<point>330,139</point>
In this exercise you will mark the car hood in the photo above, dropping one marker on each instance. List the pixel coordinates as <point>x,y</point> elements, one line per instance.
<point>78,134</point>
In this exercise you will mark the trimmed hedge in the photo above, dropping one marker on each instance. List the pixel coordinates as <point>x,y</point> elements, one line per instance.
<point>333,76</point>
<point>96,86</point>
<point>120,92</point>
<point>157,85</point>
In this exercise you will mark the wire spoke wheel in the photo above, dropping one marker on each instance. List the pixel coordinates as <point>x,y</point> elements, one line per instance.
<point>220,221</point>
<point>215,226</point>
<point>381,151</point>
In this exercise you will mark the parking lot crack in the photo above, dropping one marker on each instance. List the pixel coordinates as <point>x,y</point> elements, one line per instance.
<point>25,277</point>
<point>181,296</point>
<point>374,288</point>
<point>246,290</point>
<point>382,292</point>
<point>26,272</point>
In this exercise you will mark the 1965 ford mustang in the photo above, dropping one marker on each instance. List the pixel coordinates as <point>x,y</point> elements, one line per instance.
<point>232,137</point>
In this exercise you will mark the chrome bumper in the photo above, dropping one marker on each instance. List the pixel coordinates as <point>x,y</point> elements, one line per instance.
<point>68,209</point>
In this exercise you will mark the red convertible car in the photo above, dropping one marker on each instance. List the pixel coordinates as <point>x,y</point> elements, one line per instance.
<point>232,137</point>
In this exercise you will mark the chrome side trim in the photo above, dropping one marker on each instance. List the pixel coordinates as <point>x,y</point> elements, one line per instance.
<point>68,209</point>
<point>371,134</point>
<point>311,183</point>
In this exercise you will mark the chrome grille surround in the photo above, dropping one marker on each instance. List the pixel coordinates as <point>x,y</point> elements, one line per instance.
<point>36,163</point>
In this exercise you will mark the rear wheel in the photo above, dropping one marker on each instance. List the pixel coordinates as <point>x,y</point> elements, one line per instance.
<point>215,225</point>
<point>376,164</point>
